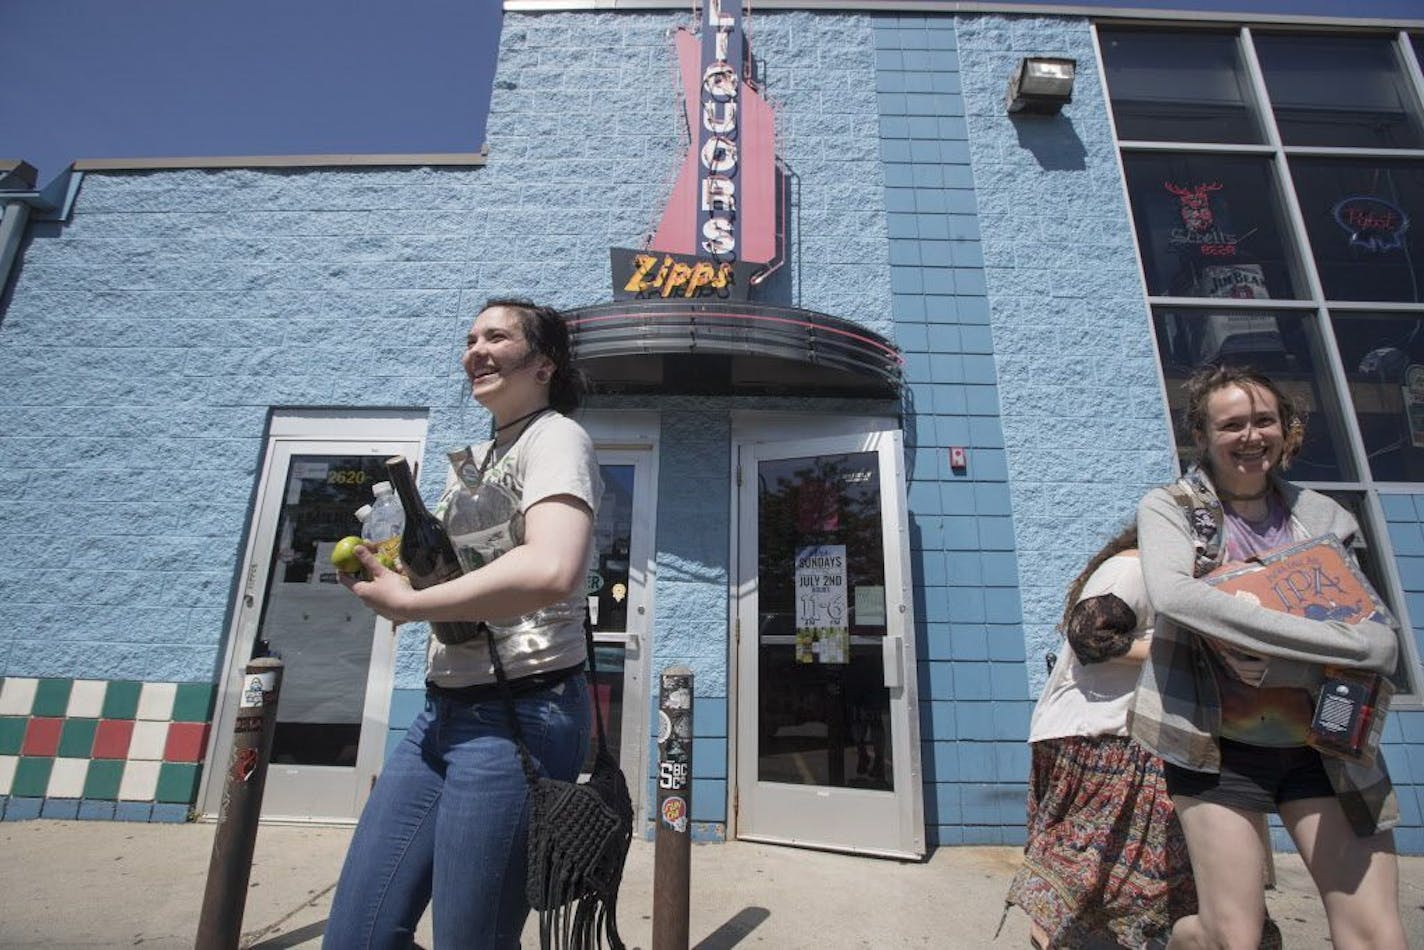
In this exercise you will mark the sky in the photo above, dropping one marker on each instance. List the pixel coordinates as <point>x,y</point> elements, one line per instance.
<point>86,79</point>
<point>82,79</point>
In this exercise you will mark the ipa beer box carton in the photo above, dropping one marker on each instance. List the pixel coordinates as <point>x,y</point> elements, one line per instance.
<point>1318,580</point>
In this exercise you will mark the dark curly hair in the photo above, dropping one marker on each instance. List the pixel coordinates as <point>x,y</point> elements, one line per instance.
<point>1208,379</point>
<point>1100,628</point>
<point>547,334</point>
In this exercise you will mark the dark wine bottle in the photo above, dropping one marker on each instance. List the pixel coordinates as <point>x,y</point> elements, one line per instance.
<point>425,550</point>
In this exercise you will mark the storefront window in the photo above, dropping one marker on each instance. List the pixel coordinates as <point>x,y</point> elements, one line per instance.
<point>1210,226</point>
<point>1285,346</point>
<point>1345,91</point>
<point>1179,87</point>
<point>1363,216</point>
<point>1384,363</point>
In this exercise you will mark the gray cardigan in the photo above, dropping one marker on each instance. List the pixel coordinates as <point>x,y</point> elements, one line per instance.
<point>1177,711</point>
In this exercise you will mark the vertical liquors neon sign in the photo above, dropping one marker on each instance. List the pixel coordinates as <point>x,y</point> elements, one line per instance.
<point>719,166</point>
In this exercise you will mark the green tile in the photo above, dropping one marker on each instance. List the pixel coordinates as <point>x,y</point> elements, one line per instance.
<point>76,740</point>
<point>12,734</point>
<point>32,777</point>
<point>193,702</point>
<point>177,782</point>
<point>51,697</point>
<point>102,780</point>
<point>121,699</point>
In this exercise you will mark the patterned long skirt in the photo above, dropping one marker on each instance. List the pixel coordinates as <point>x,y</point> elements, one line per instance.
<point>1105,858</point>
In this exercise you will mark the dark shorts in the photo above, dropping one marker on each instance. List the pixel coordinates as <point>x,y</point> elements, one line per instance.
<point>1254,777</point>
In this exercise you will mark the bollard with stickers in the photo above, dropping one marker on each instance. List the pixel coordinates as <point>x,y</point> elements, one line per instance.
<point>230,866</point>
<point>672,848</point>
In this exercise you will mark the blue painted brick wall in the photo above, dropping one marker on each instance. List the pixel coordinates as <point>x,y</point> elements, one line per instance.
<point>1404,731</point>
<point>974,704</point>
<point>1084,426</point>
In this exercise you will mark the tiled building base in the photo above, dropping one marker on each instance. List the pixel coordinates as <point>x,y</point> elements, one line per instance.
<point>93,749</point>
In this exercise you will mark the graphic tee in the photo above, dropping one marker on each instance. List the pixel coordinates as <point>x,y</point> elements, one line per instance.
<point>1273,716</point>
<point>1092,699</point>
<point>484,515</point>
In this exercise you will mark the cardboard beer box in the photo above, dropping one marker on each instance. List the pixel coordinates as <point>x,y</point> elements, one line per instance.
<point>1318,580</point>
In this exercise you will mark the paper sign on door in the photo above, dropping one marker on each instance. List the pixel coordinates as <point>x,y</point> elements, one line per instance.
<point>822,631</point>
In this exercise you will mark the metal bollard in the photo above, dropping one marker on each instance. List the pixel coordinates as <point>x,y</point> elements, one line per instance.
<point>672,847</point>
<point>230,867</point>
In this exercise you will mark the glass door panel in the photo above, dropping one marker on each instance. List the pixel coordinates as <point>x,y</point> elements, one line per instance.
<point>821,585</point>
<point>321,632</point>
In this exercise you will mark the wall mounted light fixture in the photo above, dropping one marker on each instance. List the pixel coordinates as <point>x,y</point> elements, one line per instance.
<point>1041,85</point>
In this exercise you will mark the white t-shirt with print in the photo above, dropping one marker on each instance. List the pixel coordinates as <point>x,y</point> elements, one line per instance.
<point>1092,699</point>
<point>485,519</point>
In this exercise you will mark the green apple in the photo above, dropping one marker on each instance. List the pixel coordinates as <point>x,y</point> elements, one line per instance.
<point>344,555</point>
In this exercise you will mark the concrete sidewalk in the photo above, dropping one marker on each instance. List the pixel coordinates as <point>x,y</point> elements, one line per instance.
<point>113,884</point>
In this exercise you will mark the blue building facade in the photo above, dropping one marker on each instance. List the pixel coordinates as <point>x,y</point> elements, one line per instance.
<point>171,332</point>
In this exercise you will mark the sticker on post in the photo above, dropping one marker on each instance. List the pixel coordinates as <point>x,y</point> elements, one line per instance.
<point>258,684</point>
<point>675,813</point>
<point>664,727</point>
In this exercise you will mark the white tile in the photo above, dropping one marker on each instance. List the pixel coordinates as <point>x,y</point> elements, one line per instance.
<point>86,699</point>
<point>156,701</point>
<point>66,779</point>
<point>148,740</point>
<point>140,781</point>
<point>8,764</point>
<point>17,696</point>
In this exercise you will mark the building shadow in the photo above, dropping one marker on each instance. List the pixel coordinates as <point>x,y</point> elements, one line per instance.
<point>1053,141</point>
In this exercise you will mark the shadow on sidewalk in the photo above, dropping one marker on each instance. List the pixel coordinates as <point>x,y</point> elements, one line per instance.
<point>742,923</point>
<point>293,938</point>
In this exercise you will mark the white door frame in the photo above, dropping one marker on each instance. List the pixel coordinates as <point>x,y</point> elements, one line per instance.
<point>749,430</point>
<point>354,432</point>
<point>631,438</point>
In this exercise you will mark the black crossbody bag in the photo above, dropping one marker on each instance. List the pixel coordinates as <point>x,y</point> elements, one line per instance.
<point>579,834</point>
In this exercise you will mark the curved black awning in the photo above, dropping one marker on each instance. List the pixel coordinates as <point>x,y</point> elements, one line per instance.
<point>717,347</point>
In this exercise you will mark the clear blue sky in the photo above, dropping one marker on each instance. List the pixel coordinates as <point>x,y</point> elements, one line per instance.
<point>175,78</point>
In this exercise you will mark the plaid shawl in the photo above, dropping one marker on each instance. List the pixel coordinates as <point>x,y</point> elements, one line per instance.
<point>1176,711</point>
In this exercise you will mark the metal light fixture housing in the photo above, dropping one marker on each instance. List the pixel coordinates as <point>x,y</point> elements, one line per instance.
<point>1041,85</point>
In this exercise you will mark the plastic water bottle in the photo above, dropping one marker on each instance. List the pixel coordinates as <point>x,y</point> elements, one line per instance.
<point>385,524</point>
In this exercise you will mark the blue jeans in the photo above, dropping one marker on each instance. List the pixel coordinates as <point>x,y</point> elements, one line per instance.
<point>448,820</point>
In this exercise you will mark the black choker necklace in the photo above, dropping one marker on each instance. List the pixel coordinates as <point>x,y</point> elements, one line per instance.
<point>527,415</point>
<point>1228,496</point>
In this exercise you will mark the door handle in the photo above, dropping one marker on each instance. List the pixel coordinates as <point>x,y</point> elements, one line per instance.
<point>892,653</point>
<point>634,645</point>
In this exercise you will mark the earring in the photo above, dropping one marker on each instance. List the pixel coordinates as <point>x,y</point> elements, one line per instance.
<point>542,376</point>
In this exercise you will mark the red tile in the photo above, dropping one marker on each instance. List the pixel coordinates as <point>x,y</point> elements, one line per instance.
<point>111,739</point>
<point>186,742</point>
<point>42,736</point>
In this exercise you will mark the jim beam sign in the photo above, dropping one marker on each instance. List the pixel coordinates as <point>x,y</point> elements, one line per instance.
<point>719,227</point>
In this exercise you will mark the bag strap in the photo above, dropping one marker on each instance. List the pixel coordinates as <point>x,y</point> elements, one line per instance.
<point>531,774</point>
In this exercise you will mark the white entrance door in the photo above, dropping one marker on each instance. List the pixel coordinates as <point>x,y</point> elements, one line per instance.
<point>620,583</point>
<point>333,709</point>
<point>827,735</point>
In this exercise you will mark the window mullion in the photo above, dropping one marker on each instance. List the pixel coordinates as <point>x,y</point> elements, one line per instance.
<point>1305,259</point>
<point>1413,69</point>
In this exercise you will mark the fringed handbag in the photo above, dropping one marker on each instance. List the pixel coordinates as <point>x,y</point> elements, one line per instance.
<point>578,838</point>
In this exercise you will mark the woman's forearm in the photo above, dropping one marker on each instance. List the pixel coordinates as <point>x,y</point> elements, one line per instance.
<point>1167,555</point>
<point>522,581</point>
